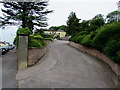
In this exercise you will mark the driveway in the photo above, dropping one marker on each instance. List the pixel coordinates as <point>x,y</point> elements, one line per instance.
<point>66,67</point>
<point>9,69</point>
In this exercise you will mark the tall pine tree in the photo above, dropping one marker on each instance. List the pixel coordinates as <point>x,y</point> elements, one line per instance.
<point>26,14</point>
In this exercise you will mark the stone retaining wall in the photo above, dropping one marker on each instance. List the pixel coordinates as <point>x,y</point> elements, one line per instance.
<point>102,57</point>
<point>35,54</point>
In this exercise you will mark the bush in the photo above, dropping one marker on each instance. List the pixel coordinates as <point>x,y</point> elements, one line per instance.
<point>78,38</point>
<point>86,40</point>
<point>33,41</point>
<point>106,39</point>
<point>38,37</point>
<point>24,31</point>
<point>51,39</point>
<point>112,48</point>
<point>47,36</point>
<point>36,41</point>
<point>104,34</point>
<point>118,57</point>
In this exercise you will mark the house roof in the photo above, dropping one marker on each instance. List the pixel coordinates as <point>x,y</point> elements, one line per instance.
<point>60,30</point>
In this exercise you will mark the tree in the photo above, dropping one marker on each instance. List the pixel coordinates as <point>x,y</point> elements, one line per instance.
<point>84,25</point>
<point>29,14</point>
<point>113,17</point>
<point>55,28</point>
<point>96,22</point>
<point>72,24</point>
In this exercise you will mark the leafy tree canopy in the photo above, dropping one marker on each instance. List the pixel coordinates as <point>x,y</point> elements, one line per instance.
<point>55,28</point>
<point>113,17</point>
<point>72,24</point>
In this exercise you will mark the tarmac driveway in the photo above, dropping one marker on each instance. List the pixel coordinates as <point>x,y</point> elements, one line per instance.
<point>9,69</point>
<point>66,67</point>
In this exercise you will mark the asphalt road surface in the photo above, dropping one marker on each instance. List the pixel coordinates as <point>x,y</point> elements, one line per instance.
<point>66,67</point>
<point>9,69</point>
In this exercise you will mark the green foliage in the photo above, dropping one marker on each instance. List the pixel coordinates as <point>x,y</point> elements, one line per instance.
<point>38,37</point>
<point>36,41</point>
<point>33,41</point>
<point>86,40</point>
<point>113,17</point>
<point>51,39</point>
<point>105,38</point>
<point>48,36</point>
<point>31,14</point>
<point>104,34</point>
<point>118,57</point>
<point>39,32</point>
<point>112,49</point>
<point>24,31</point>
<point>55,28</point>
<point>72,24</point>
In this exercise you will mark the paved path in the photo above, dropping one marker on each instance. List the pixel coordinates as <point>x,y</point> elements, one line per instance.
<point>66,67</point>
<point>9,69</point>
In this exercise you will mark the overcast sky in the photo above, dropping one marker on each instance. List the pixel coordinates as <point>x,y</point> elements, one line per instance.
<point>84,9</point>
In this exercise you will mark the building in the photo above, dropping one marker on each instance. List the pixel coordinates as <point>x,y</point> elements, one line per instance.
<point>60,33</point>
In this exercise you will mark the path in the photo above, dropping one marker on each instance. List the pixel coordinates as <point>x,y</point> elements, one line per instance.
<point>9,69</point>
<point>66,67</point>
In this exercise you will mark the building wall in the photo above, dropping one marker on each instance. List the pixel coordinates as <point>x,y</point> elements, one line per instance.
<point>62,34</point>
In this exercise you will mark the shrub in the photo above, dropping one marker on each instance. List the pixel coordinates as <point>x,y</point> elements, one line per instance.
<point>24,31</point>
<point>78,38</point>
<point>118,58</point>
<point>33,41</point>
<point>38,37</point>
<point>112,49</point>
<point>104,34</point>
<point>47,36</point>
<point>36,41</point>
<point>48,39</point>
<point>86,40</point>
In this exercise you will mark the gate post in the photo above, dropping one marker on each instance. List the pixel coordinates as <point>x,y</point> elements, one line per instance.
<point>22,51</point>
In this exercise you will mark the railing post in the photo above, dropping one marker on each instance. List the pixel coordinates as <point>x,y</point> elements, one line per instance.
<point>22,51</point>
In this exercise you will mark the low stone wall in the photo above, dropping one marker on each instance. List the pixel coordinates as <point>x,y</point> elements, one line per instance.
<point>102,57</point>
<point>34,54</point>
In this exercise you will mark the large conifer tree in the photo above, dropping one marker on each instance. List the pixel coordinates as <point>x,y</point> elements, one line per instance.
<point>26,14</point>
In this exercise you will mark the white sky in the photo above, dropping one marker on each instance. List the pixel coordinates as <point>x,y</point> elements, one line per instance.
<point>84,9</point>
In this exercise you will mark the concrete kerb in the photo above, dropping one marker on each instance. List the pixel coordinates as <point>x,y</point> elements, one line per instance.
<point>101,56</point>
